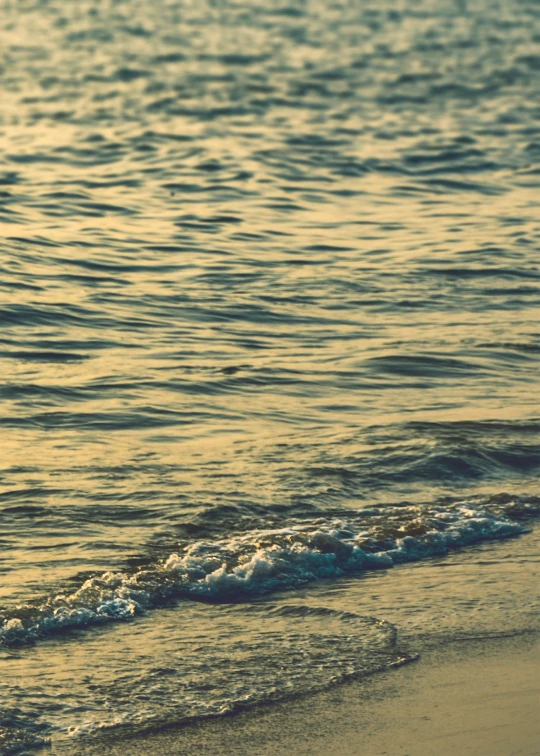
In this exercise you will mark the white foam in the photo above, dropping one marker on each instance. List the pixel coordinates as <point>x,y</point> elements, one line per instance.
<point>262,561</point>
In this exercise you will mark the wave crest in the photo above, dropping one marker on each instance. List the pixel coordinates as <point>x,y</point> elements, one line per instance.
<point>264,561</point>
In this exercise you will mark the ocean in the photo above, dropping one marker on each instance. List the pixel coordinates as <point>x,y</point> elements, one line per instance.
<point>269,307</point>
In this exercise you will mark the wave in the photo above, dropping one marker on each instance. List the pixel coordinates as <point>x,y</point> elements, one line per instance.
<point>193,665</point>
<point>264,561</point>
<point>19,734</point>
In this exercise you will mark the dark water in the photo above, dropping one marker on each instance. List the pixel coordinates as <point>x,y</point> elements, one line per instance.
<point>269,305</point>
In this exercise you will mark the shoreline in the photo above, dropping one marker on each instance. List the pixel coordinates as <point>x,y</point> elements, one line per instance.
<point>468,697</point>
<point>472,617</point>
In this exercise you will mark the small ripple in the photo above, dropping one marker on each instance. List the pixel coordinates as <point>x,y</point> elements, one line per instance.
<point>28,356</point>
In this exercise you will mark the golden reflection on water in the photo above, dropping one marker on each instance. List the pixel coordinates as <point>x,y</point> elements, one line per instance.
<point>241,246</point>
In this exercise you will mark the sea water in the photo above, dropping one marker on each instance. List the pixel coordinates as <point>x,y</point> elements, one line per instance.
<point>269,306</point>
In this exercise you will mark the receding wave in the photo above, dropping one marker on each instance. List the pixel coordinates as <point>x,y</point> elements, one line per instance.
<point>211,662</point>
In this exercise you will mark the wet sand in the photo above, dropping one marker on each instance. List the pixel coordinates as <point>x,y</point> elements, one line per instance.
<point>468,698</point>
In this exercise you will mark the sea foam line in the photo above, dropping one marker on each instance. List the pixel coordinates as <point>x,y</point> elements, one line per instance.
<point>260,562</point>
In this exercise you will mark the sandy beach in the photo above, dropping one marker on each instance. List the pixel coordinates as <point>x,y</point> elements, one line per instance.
<point>467,700</point>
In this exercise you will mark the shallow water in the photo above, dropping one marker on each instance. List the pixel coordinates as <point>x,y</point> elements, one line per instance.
<point>269,299</point>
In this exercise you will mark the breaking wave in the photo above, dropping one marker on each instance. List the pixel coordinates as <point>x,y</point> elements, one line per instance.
<point>263,561</point>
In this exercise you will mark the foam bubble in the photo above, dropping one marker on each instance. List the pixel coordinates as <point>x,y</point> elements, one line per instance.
<point>262,561</point>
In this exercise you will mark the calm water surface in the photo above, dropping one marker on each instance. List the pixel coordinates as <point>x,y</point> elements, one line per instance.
<point>269,306</point>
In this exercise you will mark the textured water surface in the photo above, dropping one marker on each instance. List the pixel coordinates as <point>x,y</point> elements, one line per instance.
<point>269,306</point>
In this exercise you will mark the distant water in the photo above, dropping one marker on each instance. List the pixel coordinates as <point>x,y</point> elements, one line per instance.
<point>269,307</point>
